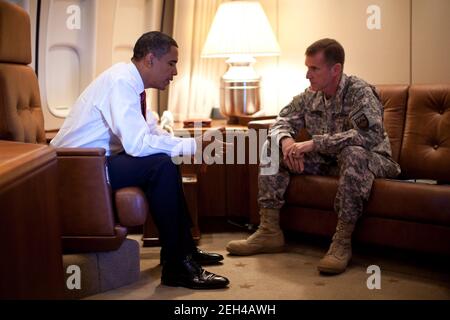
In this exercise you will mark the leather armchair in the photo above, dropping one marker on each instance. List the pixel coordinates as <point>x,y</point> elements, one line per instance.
<point>91,221</point>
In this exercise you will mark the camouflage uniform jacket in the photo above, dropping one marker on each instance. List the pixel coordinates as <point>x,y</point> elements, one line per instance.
<point>353,117</point>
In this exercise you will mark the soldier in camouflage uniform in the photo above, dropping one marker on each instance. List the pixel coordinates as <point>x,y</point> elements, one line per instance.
<point>344,117</point>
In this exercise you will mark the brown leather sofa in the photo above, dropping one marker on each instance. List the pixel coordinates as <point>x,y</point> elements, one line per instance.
<point>410,212</point>
<point>91,221</point>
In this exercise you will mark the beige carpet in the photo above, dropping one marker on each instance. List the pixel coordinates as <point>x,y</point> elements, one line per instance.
<point>293,276</point>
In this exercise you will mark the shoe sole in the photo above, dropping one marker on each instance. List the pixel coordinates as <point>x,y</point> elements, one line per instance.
<point>208,262</point>
<point>204,263</point>
<point>270,250</point>
<point>329,270</point>
<point>180,284</point>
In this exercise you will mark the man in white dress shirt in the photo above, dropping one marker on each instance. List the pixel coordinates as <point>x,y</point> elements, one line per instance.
<point>110,114</point>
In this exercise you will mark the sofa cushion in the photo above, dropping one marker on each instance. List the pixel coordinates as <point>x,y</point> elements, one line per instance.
<point>392,199</point>
<point>425,151</point>
<point>15,44</point>
<point>394,99</point>
<point>21,117</point>
<point>403,200</point>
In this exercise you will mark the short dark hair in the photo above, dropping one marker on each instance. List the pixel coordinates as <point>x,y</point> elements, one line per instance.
<point>155,42</point>
<point>332,51</point>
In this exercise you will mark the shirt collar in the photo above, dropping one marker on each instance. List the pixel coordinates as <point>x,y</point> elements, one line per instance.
<point>339,97</point>
<point>341,85</point>
<point>138,83</point>
<point>336,100</point>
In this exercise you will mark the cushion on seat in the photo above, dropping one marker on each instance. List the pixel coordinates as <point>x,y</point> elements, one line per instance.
<point>394,99</point>
<point>15,47</point>
<point>392,199</point>
<point>425,150</point>
<point>21,117</point>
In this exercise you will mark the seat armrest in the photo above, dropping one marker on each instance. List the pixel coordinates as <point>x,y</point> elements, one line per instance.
<point>261,124</point>
<point>132,207</point>
<point>84,194</point>
<point>302,135</point>
<point>71,152</point>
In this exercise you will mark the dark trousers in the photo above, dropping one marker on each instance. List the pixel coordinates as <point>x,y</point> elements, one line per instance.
<point>160,179</point>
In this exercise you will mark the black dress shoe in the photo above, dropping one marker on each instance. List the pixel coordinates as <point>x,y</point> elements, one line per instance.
<point>189,274</point>
<point>202,257</point>
<point>205,258</point>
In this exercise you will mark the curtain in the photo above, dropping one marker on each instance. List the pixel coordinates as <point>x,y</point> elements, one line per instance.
<point>195,91</point>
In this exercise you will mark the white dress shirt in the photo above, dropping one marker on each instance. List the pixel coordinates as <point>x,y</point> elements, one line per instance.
<point>108,115</point>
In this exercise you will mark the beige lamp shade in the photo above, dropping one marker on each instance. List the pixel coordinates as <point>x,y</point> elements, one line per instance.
<point>240,28</point>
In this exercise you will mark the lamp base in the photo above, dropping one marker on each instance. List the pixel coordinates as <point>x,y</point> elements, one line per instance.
<point>239,98</point>
<point>239,89</point>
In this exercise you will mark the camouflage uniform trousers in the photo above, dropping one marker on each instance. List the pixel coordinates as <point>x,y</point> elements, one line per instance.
<point>356,167</point>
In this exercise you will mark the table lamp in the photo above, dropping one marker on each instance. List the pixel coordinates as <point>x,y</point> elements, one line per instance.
<point>240,31</point>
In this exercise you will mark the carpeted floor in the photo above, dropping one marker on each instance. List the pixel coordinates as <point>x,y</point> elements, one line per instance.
<point>292,275</point>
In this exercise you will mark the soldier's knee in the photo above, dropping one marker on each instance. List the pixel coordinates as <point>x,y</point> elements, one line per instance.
<point>274,182</point>
<point>353,152</point>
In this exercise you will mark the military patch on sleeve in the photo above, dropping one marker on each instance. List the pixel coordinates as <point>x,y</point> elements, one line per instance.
<point>360,120</point>
<point>286,110</point>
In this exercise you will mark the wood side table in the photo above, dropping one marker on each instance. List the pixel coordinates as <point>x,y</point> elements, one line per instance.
<point>220,190</point>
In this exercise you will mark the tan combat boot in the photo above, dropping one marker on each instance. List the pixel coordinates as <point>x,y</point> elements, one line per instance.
<point>267,239</point>
<point>338,256</point>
